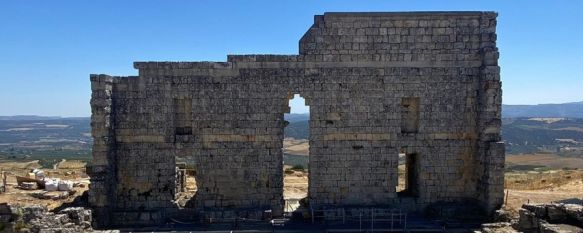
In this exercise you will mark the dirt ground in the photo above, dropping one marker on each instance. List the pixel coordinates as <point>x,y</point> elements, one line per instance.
<point>544,187</point>
<point>65,170</point>
<point>558,188</point>
<point>522,187</point>
<point>295,185</point>
<point>570,193</point>
<point>549,186</point>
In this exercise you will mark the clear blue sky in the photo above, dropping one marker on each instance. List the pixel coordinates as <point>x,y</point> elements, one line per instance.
<point>49,48</point>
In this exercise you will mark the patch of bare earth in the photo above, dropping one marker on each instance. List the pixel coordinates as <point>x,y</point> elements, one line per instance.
<point>295,184</point>
<point>543,187</point>
<point>296,146</point>
<point>66,170</point>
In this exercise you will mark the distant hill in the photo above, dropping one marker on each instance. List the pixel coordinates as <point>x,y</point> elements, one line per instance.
<point>298,130</point>
<point>568,110</point>
<point>48,139</point>
<point>530,135</point>
<point>295,117</point>
<point>526,129</point>
<point>299,125</point>
<point>522,135</point>
<point>27,118</point>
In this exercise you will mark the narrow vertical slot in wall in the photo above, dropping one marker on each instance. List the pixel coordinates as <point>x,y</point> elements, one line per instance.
<point>186,186</point>
<point>401,169</point>
<point>296,151</point>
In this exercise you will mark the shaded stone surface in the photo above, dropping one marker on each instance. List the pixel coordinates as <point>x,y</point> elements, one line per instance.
<point>36,219</point>
<point>557,213</point>
<point>427,83</point>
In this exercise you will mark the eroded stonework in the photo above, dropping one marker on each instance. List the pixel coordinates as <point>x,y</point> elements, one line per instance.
<point>423,83</point>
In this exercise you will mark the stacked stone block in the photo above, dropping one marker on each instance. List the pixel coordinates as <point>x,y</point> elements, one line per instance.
<point>359,73</point>
<point>102,169</point>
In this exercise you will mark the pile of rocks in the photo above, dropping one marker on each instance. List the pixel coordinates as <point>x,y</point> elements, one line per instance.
<point>56,195</point>
<point>499,227</point>
<point>551,218</point>
<point>37,219</point>
<point>546,218</point>
<point>29,185</point>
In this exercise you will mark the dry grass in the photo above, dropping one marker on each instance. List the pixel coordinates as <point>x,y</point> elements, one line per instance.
<point>541,180</point>
<point>71,164</point>
<point>295,185</point>
<point>551,161</point>
<point>25,197</point>
<point>19,166</point>
<point>557,186</point>
<point>296,146</point>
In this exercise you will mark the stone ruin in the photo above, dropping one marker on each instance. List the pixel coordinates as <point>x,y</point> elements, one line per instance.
<point>426,84</point>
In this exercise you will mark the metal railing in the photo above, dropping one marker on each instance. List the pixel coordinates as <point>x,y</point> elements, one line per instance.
<point>367,218</point>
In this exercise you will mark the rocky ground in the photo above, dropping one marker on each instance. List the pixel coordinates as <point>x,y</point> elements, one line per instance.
<point>528,187</point>
<point>544,218</point>
<point>37,219</point>
<point>295,185</point>
<point>552,186</point>
<point>563,186</point>
<point>73,171</point>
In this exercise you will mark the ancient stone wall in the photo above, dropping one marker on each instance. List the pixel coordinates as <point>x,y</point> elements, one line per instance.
<point>426,83</point>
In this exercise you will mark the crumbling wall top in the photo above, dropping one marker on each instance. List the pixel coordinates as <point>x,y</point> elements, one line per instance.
<point>410,14</point>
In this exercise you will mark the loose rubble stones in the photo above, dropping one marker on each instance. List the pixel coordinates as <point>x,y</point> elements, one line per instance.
<point>550,218</point>
<point>37,219</point>
<point>28,185</point>
<point>555,213</point>
<point>500,227</point>
<point>547,218</point>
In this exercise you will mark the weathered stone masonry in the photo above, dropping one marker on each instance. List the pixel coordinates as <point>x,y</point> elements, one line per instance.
<point>426,83</point>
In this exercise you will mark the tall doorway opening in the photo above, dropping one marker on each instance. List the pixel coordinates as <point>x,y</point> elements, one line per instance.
<point>407,174</point>
<point>186,186</point>
<point>296,151</point>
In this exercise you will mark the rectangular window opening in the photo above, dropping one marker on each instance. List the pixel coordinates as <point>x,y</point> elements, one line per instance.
<point>186,186</point>
<point>183,116</point>
<point>296,155</point>
<point>409,115</point>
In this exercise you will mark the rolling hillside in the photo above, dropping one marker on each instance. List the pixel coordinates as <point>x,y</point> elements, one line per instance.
<point>52,138</point>
<point>569,110</point>
<point>522,135</point>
